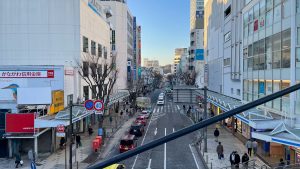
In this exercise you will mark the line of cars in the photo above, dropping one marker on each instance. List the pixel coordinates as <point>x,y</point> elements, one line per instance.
<point>137,129</point>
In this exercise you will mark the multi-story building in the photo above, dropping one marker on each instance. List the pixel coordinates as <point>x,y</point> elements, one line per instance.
<point>179,52</point>
<point>151,63</point>
<point>254,46</point>
<point>223,45</point>
<point>139,51</point>
<point>56,33</point>
<point>271,39</point>
<point>123,23</point>
<point>196,49</point>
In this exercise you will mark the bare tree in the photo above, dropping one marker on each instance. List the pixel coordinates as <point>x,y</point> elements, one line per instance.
<point>100,76</point>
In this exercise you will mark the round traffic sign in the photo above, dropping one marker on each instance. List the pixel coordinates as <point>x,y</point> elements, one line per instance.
<point>89,104</point>
<point>60,128</point>
<point>98,105</point>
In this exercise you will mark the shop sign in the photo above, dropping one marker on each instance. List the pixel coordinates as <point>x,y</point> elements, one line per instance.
<point>60,131</point>
<point>19,123</point>
<point>27,74</point>
<point>57,102</point>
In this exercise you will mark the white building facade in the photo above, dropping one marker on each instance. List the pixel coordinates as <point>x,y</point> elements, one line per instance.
<point>223,45</point>
<point>122,21</point>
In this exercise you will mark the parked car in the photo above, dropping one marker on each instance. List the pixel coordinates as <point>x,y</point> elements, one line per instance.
<point>137,129</point>
<point>160,102</point>
<point>142,120</point>
<point>128,142</point>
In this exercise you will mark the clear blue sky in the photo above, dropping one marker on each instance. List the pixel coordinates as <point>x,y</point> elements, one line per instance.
<point>165,26</point>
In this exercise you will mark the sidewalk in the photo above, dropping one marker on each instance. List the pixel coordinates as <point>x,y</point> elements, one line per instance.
<point>84,154</point>
<point>229,142</point>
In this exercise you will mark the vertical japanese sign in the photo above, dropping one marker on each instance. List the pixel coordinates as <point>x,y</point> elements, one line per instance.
<point>128,70</point>
<point>134,48</point>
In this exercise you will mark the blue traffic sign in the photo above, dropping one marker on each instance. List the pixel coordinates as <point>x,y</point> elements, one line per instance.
<point>89,104</point>
<point>98,105</point>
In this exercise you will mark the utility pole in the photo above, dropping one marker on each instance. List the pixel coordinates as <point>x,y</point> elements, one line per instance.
<point>70,98</point>
<point>205,117</point>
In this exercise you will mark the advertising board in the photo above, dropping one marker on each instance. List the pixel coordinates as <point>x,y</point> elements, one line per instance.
<point>34,96</point>
<point>19,123</point>
<point>57,102</point>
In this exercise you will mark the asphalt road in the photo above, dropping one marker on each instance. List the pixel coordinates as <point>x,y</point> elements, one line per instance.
<point>176,154</point>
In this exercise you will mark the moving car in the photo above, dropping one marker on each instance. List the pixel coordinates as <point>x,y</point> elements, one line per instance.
<point>142,120</point>
<point>145,113</point>
<point>115,166</point>
<point>160,102</point>
<point>136,129</point>
<point>128,142</point>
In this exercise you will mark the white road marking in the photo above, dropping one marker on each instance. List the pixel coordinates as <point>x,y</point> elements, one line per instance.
<point>178,107</point>
<point>149,164</point>
<point>173,130</point>
<point>194,157</point>
<point>142,143</point>
<point>155,132</point>
<point>165,152</point>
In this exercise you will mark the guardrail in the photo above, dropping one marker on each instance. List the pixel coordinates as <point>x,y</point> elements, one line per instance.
<point>193,128</point>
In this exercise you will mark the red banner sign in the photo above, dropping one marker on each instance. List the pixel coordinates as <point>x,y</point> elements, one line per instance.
<point>19,123</point>
<point>26,74</point>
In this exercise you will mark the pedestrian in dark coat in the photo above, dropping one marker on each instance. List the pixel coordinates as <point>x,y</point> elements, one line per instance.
<point>237,160</point>
<point>78,140</point>
<point>216,134</point>
<point>18,160</point>
<point>281,164</point>
<point>245,159</point>
<point>220,151</point>
<point>90,130</point>
<point>232,158</point>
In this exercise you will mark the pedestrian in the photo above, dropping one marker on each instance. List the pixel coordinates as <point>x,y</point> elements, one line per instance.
<point>237,160</point>
<point>183,107</point>
<point>220,151</point>
<point>62,143</point>
<point>281,164</point>
<point>18,161</point>
<point>90,130</point>
<point>231,158</point>
<point>32,165</point>
<point>245,160</point>
<point>254,146</point>
<point>78,140</point>
<point>249,147</point>
<point>31,155</point>
<point>216,134</point>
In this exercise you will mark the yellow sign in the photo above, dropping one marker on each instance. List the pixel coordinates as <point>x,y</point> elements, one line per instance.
<point>57,102</point>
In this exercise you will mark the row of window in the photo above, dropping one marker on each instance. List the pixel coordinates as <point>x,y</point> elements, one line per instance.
<point>265,13</point>
<point>254,89</point>
<point>270,53</point>
<point>101,50</point>
<point>86,91</point>
<point>95,69</point>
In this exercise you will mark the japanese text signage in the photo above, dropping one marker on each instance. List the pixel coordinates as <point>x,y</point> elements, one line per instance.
<point>27,74</point>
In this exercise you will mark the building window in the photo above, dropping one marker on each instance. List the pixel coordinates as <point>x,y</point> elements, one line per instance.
<point>269,52</point>
<point>256,11</point>
<point>86,92</point>
<point>298,57</point>
<point>298,35</point>
<point>277,14</point>
<point>93,48</point>
<point>99,69</point>
<point>227,36</point>
<point>105,52</point>
<point>238,92</point>
<point>269,18</point>
<point>298,6</point>
<point>286,7</point>
<point>231,90</point>
<point>99,50</point>
<point>85,44</point>
<point>227,11</point>
<point>227,62</point>
<point>286,51</point>
<point>269,4</point>
<point>276,50</point>
<point>93,67</point>
<point>85,69</point>
<point>262,8</point>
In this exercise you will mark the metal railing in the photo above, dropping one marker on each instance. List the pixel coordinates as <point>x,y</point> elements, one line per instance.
<point>193,128</point>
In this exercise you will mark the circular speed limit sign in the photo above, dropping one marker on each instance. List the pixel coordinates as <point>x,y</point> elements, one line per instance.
<point>98,105</point>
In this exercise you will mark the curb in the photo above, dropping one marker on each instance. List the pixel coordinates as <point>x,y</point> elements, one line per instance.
<point>201,156</point>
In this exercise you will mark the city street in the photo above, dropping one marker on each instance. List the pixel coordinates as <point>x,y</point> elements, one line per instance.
<point>176,154</point>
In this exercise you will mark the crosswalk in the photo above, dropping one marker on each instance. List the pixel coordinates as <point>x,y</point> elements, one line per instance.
<point>160,111</point>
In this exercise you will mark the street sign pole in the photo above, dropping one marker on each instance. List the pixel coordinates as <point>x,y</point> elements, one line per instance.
<point>70,99</point>
<point>205,118</point>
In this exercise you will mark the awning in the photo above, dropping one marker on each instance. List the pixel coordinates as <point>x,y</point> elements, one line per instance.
<point>62,117</point>
<point>119,96</point>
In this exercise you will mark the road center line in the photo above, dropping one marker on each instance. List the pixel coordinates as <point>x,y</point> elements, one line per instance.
<point>155,132</point>
<point>173,130</point>
<point>194,156</point>
<point>142,142</point>
<point>165,152</point>
<point>178,107</point>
